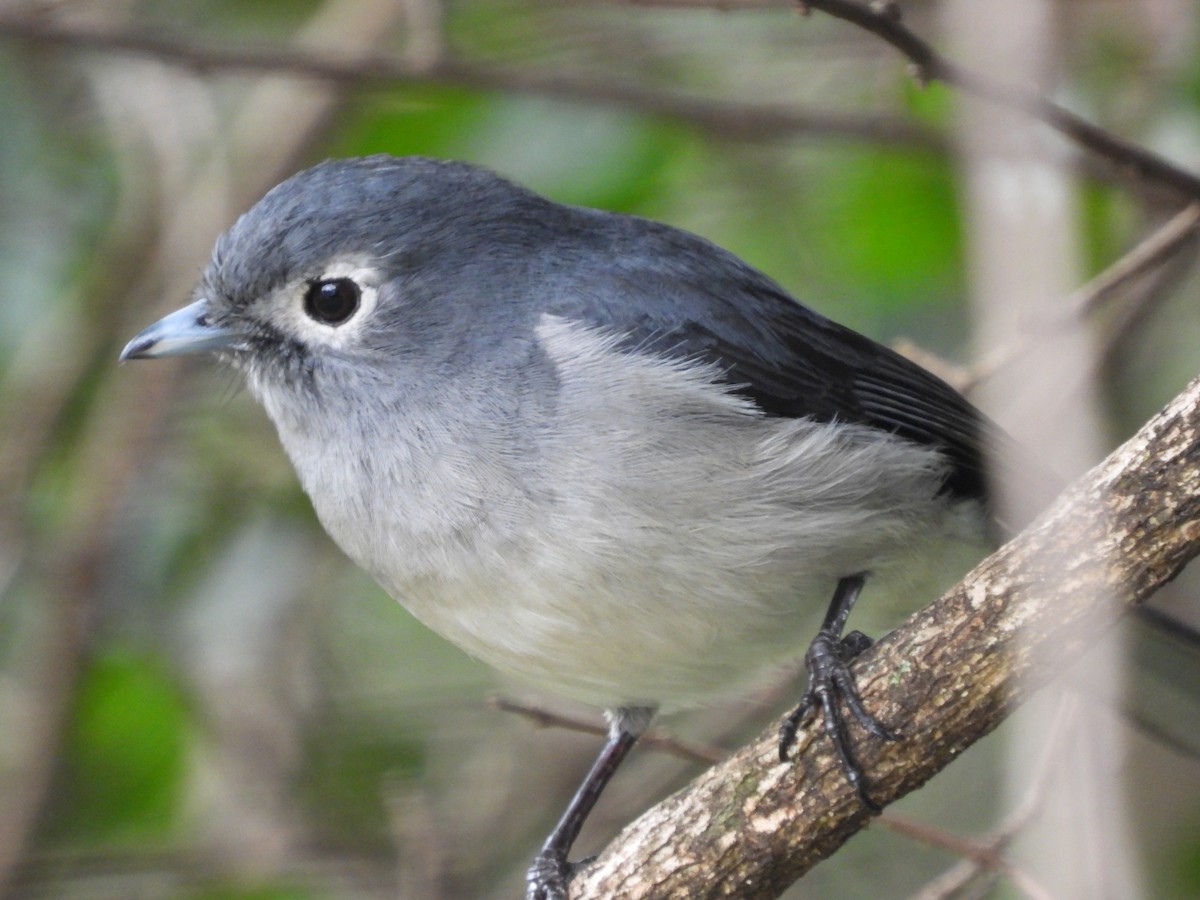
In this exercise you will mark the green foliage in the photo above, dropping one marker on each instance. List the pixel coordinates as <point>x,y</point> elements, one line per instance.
<point>584,155</point>
<point>418,120</point>
<point>932,103</point>
<point>252,892</point>
<point>346,776</point>
<point>126,756</point>
<point>1105,220</point>
<point>1185,871</point>
<point>890,225</point>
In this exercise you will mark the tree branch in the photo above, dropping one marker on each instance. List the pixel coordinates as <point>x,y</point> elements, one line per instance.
<point>1160,247</point>
<point>654,739</point>
<point>737,120</point>
<point>882,19</point>
<point>751,826</point>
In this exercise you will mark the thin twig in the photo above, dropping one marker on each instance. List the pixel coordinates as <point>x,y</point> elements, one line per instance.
<point>1154,251</point>
<point>716,5</point>
<point>880,19</point>
<point>954,879</point>
<point>1146,255</point>
<point>977,854</point>
<point>735,120</point>
<point>1158,288</point>
<point>1149,253</point>
<point>883,20</point>
<point>654,739</point>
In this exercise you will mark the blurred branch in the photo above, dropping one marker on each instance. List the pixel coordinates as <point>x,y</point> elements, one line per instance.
<point>1150,253</point>
<point>883,19</point>
<point>1154,291</point>
<point>987,855</point>
<point>751,826</point>
<point>953,881</point>
<point>425,66</point>
<point>425,28</point>
<point>717,5</point>
<point>1153,252</point>
<point>427,63</point>
<point>654,739</point>
<point>121,418</point>
<point>328,869</point>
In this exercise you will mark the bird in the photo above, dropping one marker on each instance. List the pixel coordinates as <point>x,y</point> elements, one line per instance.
<point>600,453</point>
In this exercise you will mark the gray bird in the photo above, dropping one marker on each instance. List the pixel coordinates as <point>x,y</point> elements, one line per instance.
<point>598,452</point>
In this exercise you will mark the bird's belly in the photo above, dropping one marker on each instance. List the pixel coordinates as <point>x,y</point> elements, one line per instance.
<point>653,542</point>
<point>638,639</point>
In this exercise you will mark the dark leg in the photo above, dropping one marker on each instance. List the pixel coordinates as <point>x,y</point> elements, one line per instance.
<point>830,684</point>
<point>548,876</point>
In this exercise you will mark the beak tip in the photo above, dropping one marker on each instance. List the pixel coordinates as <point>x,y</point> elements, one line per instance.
<point>135,349</point>
<point>183,332</point>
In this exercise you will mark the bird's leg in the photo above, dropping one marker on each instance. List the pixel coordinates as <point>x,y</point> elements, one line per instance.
<point>548,876</point>
<point>830,685</point>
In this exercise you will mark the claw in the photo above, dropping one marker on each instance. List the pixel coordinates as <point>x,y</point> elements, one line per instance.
<point>831,686</point>
<point>548,877</point>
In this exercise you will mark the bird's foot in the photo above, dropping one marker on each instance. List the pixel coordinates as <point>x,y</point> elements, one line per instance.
<point>548,877</point>
<point>831,686</point>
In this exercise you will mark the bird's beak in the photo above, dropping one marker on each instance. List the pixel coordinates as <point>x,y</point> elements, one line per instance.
<point>184,331</point>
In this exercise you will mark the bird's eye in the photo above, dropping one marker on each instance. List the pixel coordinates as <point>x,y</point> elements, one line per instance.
<point>332,301</point>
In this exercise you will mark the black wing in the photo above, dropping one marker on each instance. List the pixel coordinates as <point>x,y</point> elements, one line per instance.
<point>828,372</point>
<point>676,293</point>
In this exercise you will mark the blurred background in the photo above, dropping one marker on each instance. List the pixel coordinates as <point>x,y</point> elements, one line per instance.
<point>200,698</point>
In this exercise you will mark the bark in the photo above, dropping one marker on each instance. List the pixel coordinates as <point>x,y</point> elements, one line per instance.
<point>750,826</point>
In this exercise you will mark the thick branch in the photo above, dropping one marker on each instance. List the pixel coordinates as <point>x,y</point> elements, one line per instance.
<point>751,826</point>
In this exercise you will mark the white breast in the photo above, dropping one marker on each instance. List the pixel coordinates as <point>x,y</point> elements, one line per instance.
<point>658,541</point>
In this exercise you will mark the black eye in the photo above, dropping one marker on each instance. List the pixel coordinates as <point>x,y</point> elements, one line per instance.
<point>332,301</point>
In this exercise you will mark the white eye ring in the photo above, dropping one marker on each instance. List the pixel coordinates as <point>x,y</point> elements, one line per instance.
<point>331,309</point>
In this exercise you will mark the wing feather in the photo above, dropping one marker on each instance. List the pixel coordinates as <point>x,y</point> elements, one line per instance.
<point>680,295</point>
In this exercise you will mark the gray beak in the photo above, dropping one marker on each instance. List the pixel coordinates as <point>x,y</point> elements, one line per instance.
<point>184,331</point>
